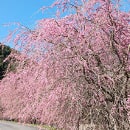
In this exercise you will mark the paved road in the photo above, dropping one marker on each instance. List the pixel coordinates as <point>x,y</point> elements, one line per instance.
<point>14,126</point>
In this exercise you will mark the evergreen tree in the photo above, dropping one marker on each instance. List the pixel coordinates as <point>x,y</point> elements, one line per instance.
<point>4,52</point>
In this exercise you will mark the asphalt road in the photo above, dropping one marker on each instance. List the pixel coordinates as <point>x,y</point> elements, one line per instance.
<point>5,125</point>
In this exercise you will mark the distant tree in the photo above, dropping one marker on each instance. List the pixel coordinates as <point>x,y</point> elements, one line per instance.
<point>4,52</point>
<point>78,69</point>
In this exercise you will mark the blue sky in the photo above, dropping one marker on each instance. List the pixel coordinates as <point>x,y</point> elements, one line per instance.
<point>24,11</point>
<point>27,13</point>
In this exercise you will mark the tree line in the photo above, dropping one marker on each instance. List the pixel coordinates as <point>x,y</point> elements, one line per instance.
<point>4,52</point>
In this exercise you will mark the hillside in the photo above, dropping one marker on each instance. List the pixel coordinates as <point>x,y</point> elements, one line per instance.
<point>4,52</point>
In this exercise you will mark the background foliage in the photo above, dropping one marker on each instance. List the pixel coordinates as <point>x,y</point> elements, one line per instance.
<point>4,52</point>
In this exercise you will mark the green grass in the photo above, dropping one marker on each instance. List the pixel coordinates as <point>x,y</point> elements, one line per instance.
<point>46,127</point>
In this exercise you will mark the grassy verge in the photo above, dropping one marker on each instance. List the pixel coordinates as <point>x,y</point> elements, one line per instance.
<point>45,127</point>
